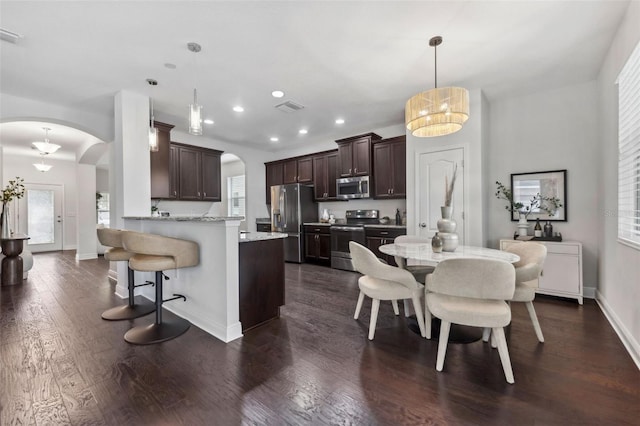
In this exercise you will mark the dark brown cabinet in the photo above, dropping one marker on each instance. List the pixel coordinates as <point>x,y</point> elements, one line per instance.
<point>376,237</point>
<point>298,170</point>
<point>325,167</point>
<point>274,176</point>
<point>161,163</point>
<point>354,155</point>
<point>198,174</point>
<point>317,243</point>
<point>389,168</point>
<point>173,172</point>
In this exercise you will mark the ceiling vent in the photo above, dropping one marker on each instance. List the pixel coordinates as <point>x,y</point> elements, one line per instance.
<point>289,106</point>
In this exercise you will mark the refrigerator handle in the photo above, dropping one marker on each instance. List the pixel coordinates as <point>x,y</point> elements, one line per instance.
<point>283,215</point>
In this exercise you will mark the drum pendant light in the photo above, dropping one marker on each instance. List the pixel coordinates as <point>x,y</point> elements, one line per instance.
<point>439,111</point>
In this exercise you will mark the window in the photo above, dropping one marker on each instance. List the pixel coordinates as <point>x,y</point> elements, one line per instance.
<point>102,207</point>
<point>235,195</point>
<point>629,151</point>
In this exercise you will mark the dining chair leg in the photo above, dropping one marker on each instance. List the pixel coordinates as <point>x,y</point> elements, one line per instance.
<point>419,315</point>
<point>534,320</point>
<point>395,307</point>
<point>407,309</point>
<point>494,343</point>
<point>498,332</point>
<point>486,333</point>
<point>375,306</point>
<point>359,305</point>
<point>445,326</point>
<point>427,321</point>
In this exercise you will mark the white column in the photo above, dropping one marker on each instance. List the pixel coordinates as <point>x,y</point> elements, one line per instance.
<point>86,208</point>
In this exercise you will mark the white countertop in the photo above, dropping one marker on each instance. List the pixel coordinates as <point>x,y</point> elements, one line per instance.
<point>247,237</point>
<point>186,218</point>
<point>424,253</point>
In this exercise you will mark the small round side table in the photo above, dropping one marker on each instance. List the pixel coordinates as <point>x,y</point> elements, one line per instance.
<point>12,263</point>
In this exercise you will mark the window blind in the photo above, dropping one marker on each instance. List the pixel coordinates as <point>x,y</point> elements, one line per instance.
<point>235,195</point>
<point>629,151</point>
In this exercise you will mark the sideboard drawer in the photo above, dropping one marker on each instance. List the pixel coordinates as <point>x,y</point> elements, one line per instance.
<point>562,248</point>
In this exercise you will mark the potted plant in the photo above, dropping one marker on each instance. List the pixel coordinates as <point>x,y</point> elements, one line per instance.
<point>538,202</point>
<point>15,189</point>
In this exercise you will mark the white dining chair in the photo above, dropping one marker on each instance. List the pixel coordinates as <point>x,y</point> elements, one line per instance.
<point>383,282</point>
<point>419,271</point>
<point>472,292</point>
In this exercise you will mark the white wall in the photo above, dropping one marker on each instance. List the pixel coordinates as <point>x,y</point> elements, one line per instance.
<point>62,173</point>
<point>552,130</point>
<point>470,137</point>
<point>619,272</point>
<point>102,180</point>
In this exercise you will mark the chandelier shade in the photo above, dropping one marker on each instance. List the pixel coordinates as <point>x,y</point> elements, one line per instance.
<point>439,111</point>
<point>41,166</point>
<point>46,147</point>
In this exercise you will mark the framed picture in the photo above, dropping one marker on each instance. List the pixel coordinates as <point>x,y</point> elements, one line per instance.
<point>525,186</point>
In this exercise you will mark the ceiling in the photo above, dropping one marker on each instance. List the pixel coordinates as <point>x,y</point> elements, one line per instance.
<point>356,60</point>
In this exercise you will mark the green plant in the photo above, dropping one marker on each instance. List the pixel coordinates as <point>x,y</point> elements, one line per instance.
<point>548,205</point>
<point>98,198</point>
<point>15,189</point>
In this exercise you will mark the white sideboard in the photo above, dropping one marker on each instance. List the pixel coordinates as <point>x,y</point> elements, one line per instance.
<point>562,269</point>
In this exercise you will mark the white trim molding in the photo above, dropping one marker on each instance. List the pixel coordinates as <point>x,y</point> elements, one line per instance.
<point>626,337</point>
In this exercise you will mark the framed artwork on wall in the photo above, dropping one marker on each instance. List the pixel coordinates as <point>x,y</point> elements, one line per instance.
<point>525,186</point>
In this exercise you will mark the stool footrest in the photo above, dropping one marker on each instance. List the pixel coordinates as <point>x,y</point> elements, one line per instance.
<point>144,284</point>
<point>175,296</point>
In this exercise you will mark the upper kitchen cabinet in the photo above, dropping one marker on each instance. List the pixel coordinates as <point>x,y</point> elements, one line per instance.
<point>198,173</point>
<point>274,176</point>
<point>298,170</point>
<point>161,163</point>
<point>354,155</point>
<point>389,168</point>
<point>325,173</point>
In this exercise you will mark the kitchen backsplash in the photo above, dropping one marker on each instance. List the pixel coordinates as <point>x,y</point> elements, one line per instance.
<point>386,207</point>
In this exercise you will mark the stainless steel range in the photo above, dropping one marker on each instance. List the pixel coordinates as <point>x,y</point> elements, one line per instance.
<point>352,230</point>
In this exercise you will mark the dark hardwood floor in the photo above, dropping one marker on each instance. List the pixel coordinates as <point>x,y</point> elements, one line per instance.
<point>60,363</point>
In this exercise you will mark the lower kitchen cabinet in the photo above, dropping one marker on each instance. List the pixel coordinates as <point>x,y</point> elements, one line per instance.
<point>379,236</point>
<point>317,243</point>
<point>562,269</point>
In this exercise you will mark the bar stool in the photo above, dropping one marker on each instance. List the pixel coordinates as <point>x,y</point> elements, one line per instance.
<point>112,238</point>
<point>155,253</point>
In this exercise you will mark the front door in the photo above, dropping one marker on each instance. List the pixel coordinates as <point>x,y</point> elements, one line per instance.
<point>40,216</point>
<point>433,166</point>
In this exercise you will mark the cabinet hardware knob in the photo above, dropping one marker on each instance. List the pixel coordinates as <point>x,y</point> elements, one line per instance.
<point>384,233</point>
<point>423,225</point>
<point>204,194</point>
<point>355,170</point>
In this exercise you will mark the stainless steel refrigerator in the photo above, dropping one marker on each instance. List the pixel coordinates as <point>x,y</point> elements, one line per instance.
<point>291,206</point>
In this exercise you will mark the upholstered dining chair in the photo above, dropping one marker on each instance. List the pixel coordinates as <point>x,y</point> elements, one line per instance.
<point>471,292</point>
<point>383,282</point>
<point>419,271</point>
<point>528,270</point>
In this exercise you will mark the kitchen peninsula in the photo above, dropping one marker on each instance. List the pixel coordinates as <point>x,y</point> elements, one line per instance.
<point>212,288</point>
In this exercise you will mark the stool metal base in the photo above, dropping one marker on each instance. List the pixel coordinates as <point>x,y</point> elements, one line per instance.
<point>157,333</point>
<point>127,312</point>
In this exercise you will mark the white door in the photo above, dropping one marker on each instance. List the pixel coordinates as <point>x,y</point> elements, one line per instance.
<point>40,216</point>
<point>432,168</point>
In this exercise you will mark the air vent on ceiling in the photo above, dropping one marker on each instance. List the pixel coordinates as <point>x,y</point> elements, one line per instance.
<point>289,106</point>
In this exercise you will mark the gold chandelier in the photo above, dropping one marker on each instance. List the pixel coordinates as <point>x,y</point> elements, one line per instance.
<point>439,111</point>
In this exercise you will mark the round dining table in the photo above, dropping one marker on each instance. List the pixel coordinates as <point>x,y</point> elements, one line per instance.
<point>423,253</point>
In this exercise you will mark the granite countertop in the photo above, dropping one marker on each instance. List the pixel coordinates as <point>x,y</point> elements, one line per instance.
<point>247,237</point>
<point>186,218</point>
<point>317,223</point>
<point>263,220</point>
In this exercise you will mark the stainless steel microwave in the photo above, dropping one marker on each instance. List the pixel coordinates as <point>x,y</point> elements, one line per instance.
<point>353,187</point>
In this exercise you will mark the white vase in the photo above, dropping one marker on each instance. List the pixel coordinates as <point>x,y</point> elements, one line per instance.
<point>523,226</point>
<point>6,231</point>
<point>447,229</point>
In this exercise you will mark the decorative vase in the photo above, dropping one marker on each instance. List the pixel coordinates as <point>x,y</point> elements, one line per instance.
<point>447,229</point>
<point>436,243</point>
<point>523,226</point>
<point>4,221</point>
<point>548,230</point>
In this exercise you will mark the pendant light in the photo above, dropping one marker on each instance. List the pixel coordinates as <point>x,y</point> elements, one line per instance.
<point>195,110</point>
<point>439,111</point>
<point>46,147</point>
<point>153,132</point>
<point>41,166</point>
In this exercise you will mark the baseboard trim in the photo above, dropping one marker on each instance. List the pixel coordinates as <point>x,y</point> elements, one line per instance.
<point>589,292</point>
<point>86,256</point>
<point>625,336</point>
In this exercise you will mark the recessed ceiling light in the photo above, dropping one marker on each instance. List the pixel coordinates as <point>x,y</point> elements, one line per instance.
<point>170,66</point>
<point>274,139</point>
<point>277,93</point>
<point>238,108</point>
<point>303,131</point>
<point>339,120</point>
<point>208,121</point>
